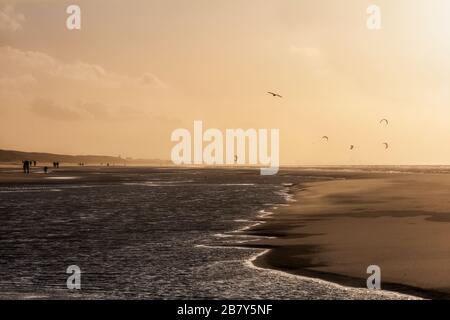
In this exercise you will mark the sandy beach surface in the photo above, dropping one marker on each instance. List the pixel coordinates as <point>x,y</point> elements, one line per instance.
<point>336,229</point>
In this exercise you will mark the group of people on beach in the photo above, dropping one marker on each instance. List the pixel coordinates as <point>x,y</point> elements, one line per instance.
<point>28,163</point>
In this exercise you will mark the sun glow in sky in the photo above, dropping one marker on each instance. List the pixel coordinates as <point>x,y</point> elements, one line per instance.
<point>137,70</point>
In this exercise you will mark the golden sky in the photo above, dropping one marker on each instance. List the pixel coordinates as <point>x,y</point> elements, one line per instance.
<point>139,69</point>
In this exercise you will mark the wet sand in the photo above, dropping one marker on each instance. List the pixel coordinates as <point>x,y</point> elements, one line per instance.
<point>343,220</point>
<point>336,229</point>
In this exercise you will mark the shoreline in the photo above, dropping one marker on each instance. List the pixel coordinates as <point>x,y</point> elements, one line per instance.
<point>258,262</point>
<point>402,291</point>
<point>286,251</point>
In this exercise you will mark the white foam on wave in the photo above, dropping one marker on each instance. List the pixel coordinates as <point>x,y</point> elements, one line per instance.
<point>157,184</point>
<point>35,296</point>
<point>30,190</point>
<point>286,195</point>
<point>257,223</point>
<point>223,235</point>
<point>219,247</point>
<point>62,178</point>
<point>263,213</point>
<point>238,235</point>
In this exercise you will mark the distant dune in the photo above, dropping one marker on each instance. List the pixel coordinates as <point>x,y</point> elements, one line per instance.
<point>11,156</point>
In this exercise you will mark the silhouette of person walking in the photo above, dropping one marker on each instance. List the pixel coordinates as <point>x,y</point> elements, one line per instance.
<point>26,166</point>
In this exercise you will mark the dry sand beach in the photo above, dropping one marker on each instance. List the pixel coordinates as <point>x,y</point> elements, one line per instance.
<point>336,229</point>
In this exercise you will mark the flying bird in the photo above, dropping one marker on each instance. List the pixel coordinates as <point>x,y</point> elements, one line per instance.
<point>352,147</point>
<point>325,138</point>
<point>386,145</point>
<point>274,94</point>
<point>385,121</point>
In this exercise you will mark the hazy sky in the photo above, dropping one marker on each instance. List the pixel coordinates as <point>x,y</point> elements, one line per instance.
<point>139,69</point>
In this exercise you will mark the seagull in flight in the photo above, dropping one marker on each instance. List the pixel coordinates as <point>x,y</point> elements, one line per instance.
<point>274,94</point>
